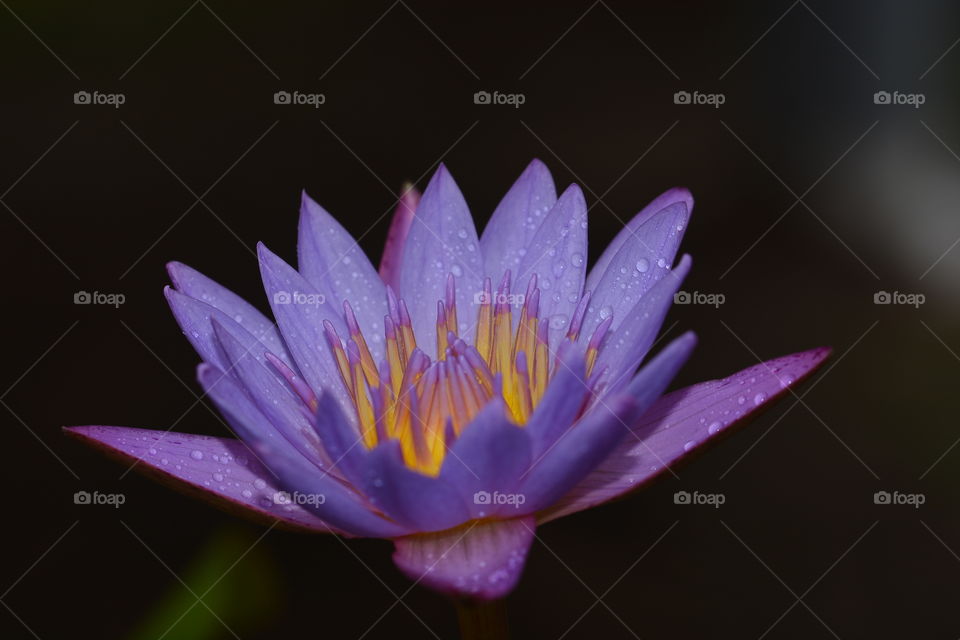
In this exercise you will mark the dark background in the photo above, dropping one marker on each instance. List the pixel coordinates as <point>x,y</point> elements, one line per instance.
<point>98,199</point>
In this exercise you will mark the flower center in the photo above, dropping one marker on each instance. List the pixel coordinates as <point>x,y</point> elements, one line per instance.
<point>426,404</point>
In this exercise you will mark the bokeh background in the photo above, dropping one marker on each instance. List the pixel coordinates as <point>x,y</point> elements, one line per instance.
<point>811,198</point>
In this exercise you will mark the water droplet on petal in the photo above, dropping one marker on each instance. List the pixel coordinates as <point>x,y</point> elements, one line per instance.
<point>642,265</point>
<point>196,454</point>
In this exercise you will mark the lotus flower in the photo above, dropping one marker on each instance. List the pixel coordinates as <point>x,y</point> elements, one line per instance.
<point>471,390</point>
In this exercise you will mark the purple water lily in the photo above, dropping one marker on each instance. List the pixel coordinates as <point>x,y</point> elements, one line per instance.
<point>471,390</point>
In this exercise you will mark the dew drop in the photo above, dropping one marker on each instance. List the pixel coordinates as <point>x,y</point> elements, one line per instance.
<point>690,445</point>
<point>576,259</point>
<point>642,265</point>
<point>456,270</point>
<point>606,312</point>
<point>713,428</point>
<point>759,399</point>
<point>196,454</point>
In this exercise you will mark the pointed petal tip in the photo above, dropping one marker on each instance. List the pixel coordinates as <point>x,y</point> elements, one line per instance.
<point>684,423</point>
<point>187,462</point>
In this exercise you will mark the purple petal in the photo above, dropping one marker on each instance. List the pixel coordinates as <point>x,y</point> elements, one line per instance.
<point>300,310</point>
<point>482,560</point>
<point>279,406</point>
<point>417,501</point>
<point>198,286</point>
<point>196,320</point>
<point>442,241</point>
<point>487,460</point>
<point>643,260</point>
<point>683,422</point>
<point>664,200</point>
<point>515,220</point>
<point>326,497</point>
<point>562,402</point>
<point>332,261</point>
<point>581,448</point>
<point>221,470</point>
<point>584,446</point>
<point>557,255</point>
<point>341,440</point>
<point>625,348</point>
<point>397,236</point>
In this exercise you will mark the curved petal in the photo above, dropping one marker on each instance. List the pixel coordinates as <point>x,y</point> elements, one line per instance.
<point>481,560</point>
<point>487,461</point>
<point>643,260</point>
<point>515,220</point>
<point>442,241</point>
<point>664,200</point>
<point>557,255</point>
<point>584,446</point>
<point>625,348</point>
<point>565,397</point>
<point>192,283</point>
<point>300,310</point>
<point>397,236</point>
<point>332,261</point>
<point>325,496</point>
<point>341,440</point>
<point>576,453</point>
<point>285,412</point>
<point>196,320</point>
<point>683,422</point>
<point>420,502</point>
<point>223,471</point>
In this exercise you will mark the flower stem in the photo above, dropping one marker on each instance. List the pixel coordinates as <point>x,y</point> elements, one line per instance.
<point>483,620</point>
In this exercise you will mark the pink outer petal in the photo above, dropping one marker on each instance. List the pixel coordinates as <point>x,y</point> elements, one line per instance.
<point>681,423</point>
<point>397,236</point>
<point>480,560</point>
<point>222,471</point>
